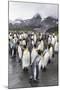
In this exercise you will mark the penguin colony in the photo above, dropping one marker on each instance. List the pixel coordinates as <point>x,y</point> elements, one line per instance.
<point>34,50</point>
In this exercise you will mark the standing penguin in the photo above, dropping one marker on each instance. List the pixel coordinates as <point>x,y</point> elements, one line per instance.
<point>33,53</point>
<point>10,43</point>
<point>51,53</point>
<point>53,40</point>
<point>19,52</point>
<point>11,47</point>
<point>14,47</point>
<point>56,38</point>
<point>56,48</point>
<point>41,45</point>
<point>36,67</point>
<point>25,58</point>
<point>44,59</point>
<point>49,39</point>
<point>35,59</point>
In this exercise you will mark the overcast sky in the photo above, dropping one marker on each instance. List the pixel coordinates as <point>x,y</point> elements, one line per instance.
<point>28,10</point>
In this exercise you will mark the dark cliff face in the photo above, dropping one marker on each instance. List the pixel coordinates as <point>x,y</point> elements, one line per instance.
<point>48,23</point>
<point>34,21</point>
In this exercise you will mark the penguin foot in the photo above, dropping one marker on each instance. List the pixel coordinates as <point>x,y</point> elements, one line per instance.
<point>49,61</point>
<point>31,77</point>
<point>53,55</point>
<point>20,61</point>
<point>41,68</point>
<point>37,78</point>
<point>44,69</point>
<point>25,69</point>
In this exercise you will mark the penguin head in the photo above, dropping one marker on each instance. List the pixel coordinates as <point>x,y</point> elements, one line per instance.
<point>17,42</point>
<point>24,46</point>
<point>34,45</point>
<point>39,52</point>
<point>53,34</point>
<point>49,46</point>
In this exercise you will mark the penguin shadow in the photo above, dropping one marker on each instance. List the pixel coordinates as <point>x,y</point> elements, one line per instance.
<point>34,83</point>
<point>44,69</point>
<point>13,59</point>
<point>24,74</point>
